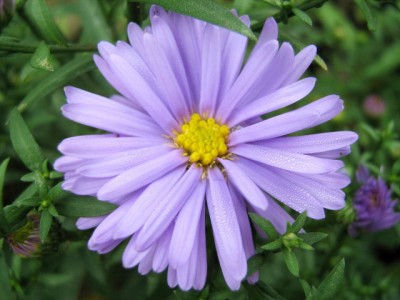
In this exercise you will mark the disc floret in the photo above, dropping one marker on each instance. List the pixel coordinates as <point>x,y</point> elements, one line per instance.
<point>203,139</point>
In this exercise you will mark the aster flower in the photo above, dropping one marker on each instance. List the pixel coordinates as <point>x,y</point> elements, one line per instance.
<point>373,204</point>
<point>26,241</point>
<point>185,135</point>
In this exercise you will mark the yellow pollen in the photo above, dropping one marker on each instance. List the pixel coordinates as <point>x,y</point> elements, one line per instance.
<point>202,139</point>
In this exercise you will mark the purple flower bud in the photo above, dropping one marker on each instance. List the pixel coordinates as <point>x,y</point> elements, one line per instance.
<point>374,106</point>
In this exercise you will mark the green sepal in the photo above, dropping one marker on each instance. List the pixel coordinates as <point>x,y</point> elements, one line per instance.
<point>291,261</point>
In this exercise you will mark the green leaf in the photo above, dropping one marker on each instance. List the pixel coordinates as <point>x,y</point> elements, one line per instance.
<point>83,207</point>
<point>265,226</point>
<point>45,224</point>
<point>254,264</point>
<point>328,287</point>
<point>15,215</point>
<point>3,223</point>
<point>372,21</point>
<point>275,245</point>
<point>40,17</point>
<point>30,177</point>
<point>56,192</point>
<point>302,16</point>
<point>299,223</point>
<point>306,287</point>
<point>34,201</point>
<point>42,58</point>
<point>24,143</point>
<point>312,237</point>
<point>5,282</point>
<point>27,193</point>
<point>276,3</point>
<point>59,78</point>
<point>208,11</point>
<point>291,261</point>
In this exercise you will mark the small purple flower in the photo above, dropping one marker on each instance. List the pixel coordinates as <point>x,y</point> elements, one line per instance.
<point>185,141</point>
<point>373,204</point>
<point>26,241</point>
<point>374,106</point>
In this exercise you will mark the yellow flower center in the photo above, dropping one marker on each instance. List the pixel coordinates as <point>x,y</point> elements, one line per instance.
<point>203,139</point>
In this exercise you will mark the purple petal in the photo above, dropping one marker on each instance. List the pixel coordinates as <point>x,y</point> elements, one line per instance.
<point>333,154</point>
<point>187,272</point>
<point>294,162</point>
<point>332,180</point>
<point>201,270</point>
<point>145,95</point>
<point>244,184</point>
<point>141,175</point>
<point>131,257</point>
<point>87,223</point>
<point>253,69</point>
<point>172,277</point>
<point>144,206</point>
<point>167,208</point>
<point>312,143</point>
<point>116,164</point>
<point>146,264</point>
<point>87,186</point>
<point>301,62</point>
<point>135,35</point>
<point>160,259</point>
<point>328,107</point>
<point>277,126</point>
<point>93,146</point>
<point>276,100</point>
<point>225,227</point>
<point>210,69</point>
<point>186,225</point>
<point>289,193</point>
<point>67,164</point>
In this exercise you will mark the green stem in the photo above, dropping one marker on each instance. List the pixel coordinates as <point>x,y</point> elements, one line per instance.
<point>283,14</point>
<point>25,48</point>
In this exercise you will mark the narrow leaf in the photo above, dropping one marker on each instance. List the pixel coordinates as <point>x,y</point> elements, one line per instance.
<point>38,13</point>
<point>5,283</point>
<point>3,223</point>
<point>306,287</point>
<point>83,207</point>
<point>24,143</point>
<point>76,67</point>
<point>366,10</point>
<point>299,223</point>
<point>208,11</point>
<point>56,192</point>
<point>275,245</point>
<point>15,215</point>
<point>42,58</point>
<point>312,237</point>
<point>327,289</point>
<point>291,261</point>
<point>302,16</point>
<point>34,201</point>
<point>265,226</point>
<point>45,224</point>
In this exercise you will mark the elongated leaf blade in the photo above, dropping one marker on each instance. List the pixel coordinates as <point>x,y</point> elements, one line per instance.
<point>312,237</point>
<point>83,207</point>
<point>329,286</point>
<point>24,143</point>
<point>39,14</point>
<point>59,78</point>
<point>3,222</point>
<point>369,16</point>
<point>208,11</point>
<point>45,224</point>
<point>291,262</point>
<point>265,226</point>
<point>5,283</point>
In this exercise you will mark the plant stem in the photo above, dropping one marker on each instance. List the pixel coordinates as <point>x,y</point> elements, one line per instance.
<point>25,48</point>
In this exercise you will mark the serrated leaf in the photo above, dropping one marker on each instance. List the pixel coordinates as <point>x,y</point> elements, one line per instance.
<point>299,222</point>
<point>265,226</point>
<point>5,283</point>
<point>3,222</point>
<point>328,287</point>
<point>372,21</point>
<point>312,237</point>
<point>45,224</point>
<point>291,261</point>
<point>254,264</point>
<point>302,16</point>
<point>42,58</point>
<point>208,11</point>
<point>83,207</point>
<point>59,78</point>
<point>273,245</point>
<point>24,143</point>
<point>38,13</point>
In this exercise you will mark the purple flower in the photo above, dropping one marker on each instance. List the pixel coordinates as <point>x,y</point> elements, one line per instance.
<point>373,204</point>
<point>26,241</point>
<point>185,134</point>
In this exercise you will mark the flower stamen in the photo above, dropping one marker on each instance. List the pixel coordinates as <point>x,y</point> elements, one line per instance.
<point>202,139</point>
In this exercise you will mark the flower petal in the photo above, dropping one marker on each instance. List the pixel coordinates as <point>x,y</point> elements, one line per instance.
<point>141,175</point>
<point>225,227</point>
